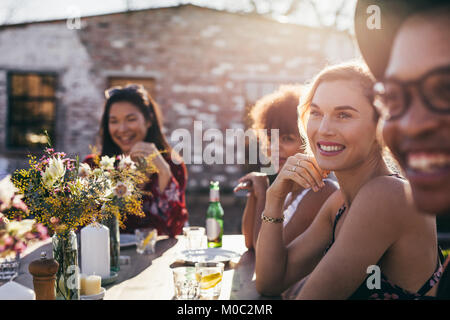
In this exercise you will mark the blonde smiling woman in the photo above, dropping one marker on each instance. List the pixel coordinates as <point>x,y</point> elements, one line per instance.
<point>367,222</point>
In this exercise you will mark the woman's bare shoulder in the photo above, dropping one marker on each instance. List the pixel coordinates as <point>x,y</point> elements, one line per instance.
<point>389,197</point>
<point>386,188</point>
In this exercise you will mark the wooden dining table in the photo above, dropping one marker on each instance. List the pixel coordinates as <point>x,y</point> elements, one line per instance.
<point>149,276</point>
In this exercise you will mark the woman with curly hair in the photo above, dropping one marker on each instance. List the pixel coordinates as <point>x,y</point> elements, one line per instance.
<point>278,110</point>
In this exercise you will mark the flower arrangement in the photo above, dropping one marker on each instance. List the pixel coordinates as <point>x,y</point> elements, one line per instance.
<point>123,176</point>
<point>55,194</point>
<point>64,195</point>
<point>16,235</point>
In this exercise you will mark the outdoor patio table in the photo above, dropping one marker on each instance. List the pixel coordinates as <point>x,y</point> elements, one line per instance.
<point>149,277</point>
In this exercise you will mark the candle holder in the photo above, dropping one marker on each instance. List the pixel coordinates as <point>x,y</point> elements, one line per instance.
<point>65,252</point>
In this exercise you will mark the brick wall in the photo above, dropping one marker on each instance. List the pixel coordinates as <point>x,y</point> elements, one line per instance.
<point>207,65</point>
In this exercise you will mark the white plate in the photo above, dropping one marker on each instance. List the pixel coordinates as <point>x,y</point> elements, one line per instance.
<point>127,240</point>
<point>95,296</point>
<point>208,255</point>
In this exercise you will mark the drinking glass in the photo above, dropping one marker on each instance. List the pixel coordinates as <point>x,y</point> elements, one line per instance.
<point>209,275</point>
<point>185,283</point>
<point>194,237</point>
<point>146,240</point>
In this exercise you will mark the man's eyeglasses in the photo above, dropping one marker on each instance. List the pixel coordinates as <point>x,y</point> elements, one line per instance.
<point>392,97</point>
<point>114,90</point>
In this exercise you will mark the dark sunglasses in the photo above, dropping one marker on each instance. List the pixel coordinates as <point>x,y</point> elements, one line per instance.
<point>131,87</point>
<point>392,97</point>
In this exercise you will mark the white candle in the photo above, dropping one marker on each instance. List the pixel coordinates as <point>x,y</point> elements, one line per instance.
<point>82,284</point>
<point>15,291</point>
<point>92,285</point>
<point>95,250</point>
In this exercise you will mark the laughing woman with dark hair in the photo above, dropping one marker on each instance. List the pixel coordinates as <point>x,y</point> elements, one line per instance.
<point>131,125</point>
<point>410,57</point>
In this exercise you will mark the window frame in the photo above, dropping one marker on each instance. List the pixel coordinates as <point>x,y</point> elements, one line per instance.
<point>8,146</point>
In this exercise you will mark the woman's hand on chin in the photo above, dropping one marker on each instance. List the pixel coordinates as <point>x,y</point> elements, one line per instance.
<point>144,149</point>
<point>299,169</point>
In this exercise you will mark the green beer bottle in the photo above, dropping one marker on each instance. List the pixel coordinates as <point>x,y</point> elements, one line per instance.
<point>214,217</point>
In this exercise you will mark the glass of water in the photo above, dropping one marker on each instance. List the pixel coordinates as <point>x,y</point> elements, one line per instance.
<point>186,285</point>
<point>146,240</point>
<point>209,275</point>
<point>194,237</point>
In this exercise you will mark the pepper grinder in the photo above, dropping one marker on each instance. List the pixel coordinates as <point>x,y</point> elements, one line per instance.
<point>44,277</point>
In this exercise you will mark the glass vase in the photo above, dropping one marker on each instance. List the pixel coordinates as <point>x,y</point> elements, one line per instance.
<point>114,242</point>
<point>9,266</point>
<point>65,252</point>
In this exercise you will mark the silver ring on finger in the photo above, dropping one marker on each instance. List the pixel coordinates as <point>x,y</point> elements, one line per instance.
<point>298,162</point>
<point>294,168</point>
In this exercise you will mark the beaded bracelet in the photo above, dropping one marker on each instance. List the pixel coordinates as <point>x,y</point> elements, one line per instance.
<point>271,220</point>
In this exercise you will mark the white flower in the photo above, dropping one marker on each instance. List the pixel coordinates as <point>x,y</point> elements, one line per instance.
<point>20,227</point>
<point>126,163</point>
<point>107,163</point>
<point>79,185</point>
<point>106,190</point>
<point>54,172</point>
<point>98,172</point>
<point>7,191</point>
<point>121,190</point>
<point>84,171</point>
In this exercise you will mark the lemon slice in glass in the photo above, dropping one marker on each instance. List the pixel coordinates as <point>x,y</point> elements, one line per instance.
<point>149,237</point>
<point>209,281</point>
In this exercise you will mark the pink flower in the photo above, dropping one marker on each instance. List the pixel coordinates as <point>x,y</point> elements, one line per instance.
<point>20,247</point>
<point>41,231</point>
<point>29,236</point>
<point>19,204</point>
<point>54,220</point>
<point>8,240</point>
<point>121,190</point>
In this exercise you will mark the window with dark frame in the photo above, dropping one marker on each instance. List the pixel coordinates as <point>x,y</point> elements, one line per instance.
<point>31,109</point>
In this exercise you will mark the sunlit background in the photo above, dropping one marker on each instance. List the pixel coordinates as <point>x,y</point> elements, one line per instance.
<point>205,61</point>
<point>314,13</point>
